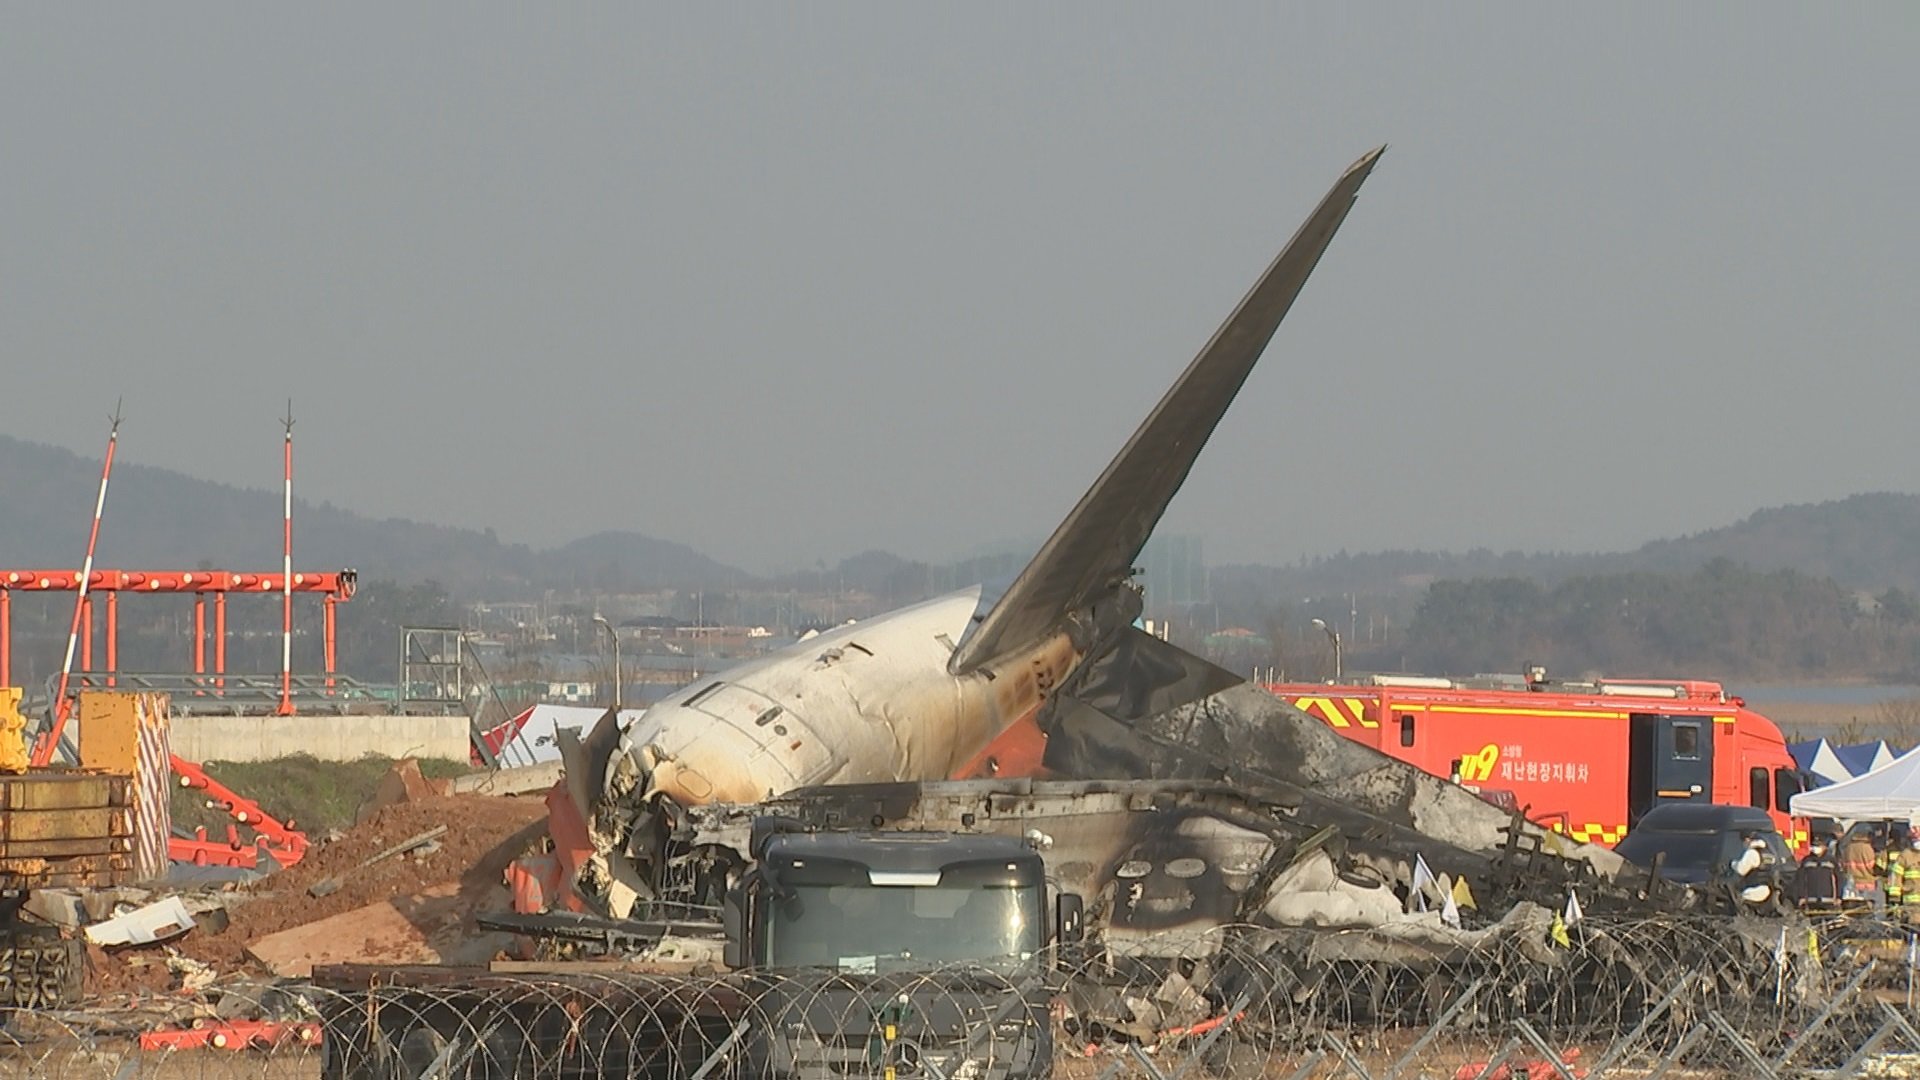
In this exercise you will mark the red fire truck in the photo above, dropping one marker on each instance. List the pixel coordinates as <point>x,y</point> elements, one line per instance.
<point>1587,759</point>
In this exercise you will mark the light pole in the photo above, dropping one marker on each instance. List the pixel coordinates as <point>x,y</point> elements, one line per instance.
<point>615,634</point>
<point>1335,636</point>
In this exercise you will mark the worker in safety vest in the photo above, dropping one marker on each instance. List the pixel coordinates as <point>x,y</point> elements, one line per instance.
<point>1903,877</point>
<point>1861,864</point>
<point>1885,847</point>
<point>1886,853</point>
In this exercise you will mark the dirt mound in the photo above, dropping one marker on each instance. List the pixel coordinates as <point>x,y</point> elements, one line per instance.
<point>131,974</point>
<point>483,836</point>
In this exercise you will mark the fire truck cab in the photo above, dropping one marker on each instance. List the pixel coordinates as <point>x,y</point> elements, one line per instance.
<point>1587,758</point>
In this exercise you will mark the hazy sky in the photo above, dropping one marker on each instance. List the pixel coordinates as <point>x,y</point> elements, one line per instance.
<point>790,282</point>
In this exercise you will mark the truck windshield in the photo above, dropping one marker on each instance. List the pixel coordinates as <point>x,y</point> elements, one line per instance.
<point>866,928</point>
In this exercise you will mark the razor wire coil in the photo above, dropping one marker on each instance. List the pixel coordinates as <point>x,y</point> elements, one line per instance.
<point>1619,996</point>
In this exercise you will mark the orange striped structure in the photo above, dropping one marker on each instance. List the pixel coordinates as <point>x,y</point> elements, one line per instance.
<point>127,734</point>
<point>153,789</point>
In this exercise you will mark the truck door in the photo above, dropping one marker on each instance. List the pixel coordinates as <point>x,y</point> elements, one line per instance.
<point>1672,761</point>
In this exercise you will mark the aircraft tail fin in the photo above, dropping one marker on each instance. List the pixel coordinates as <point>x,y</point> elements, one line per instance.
<point>1093,550</point>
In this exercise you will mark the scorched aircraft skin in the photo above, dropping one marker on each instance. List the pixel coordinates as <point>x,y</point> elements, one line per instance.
<point>918,693</point>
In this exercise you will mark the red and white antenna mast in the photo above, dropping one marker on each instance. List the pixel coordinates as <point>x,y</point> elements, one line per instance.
<point>286,581</point>
<point>50,743</point>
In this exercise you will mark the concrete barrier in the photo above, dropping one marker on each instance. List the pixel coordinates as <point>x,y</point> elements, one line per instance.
<point>522,780</point>
<point>329,738</point>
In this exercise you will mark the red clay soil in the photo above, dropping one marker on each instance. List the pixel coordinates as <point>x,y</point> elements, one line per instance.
<point>140,973</point>
<point>483,836</point>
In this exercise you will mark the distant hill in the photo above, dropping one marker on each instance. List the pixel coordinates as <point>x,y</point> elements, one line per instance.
<point>1868,542</point>
<point>611,560</point>
<point>157,517</point>
<point>160,518</point>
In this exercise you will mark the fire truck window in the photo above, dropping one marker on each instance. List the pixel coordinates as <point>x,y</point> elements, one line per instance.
<point>1757,787</point>
<point>1786,784</point>
<point>1686,741</point>
<point>1406,730</point>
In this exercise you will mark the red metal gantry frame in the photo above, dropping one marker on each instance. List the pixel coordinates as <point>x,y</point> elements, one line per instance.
<point>272,837</point>
<point>334,588</point>
<point>233,1035</point>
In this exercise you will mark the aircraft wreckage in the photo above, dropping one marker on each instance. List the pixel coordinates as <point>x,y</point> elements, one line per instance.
<point>921,693</point>
<point>1053,678</point>
<point>1297,827</point>
<point>1202,845</point>
<point>1256,855</point>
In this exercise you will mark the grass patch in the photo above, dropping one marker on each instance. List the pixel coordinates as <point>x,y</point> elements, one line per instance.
<point>317,795</point>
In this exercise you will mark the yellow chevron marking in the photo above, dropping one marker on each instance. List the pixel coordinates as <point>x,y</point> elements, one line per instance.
<point>1358,707</point>
<point>1324,708</point>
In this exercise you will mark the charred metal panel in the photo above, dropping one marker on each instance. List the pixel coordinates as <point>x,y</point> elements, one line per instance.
<point>1156,861</point>
<point>1249,738</point>
<point>1141,675</point>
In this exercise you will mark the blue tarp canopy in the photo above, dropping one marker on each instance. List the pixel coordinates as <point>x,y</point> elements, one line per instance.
<point>1862,758</point>
<point>1818,757</point>
<point>1889,793</point>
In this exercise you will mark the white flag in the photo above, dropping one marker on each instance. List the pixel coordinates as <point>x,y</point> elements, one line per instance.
<point>1422,879</point>
<point>1450,912</point>
<point>1573,914</point>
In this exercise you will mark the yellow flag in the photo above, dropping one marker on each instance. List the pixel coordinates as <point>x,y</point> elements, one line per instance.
<point>1559,933</point>
<point>1462,895</point>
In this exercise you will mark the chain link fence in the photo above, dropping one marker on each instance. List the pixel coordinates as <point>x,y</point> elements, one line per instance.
<point>1605,997</point>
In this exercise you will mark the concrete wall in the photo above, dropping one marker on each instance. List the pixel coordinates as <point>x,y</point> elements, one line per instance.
<point>329,738</point>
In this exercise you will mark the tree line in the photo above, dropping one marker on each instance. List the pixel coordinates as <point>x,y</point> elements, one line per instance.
<point>1722,620</point>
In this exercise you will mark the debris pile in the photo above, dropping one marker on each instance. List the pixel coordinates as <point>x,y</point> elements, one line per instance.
<point>407,881</point>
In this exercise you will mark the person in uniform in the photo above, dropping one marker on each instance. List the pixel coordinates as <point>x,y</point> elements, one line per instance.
<point>1860,863</point>
<point>1818,885</point>
<point>1903,869</point>
<point>1751,872</point>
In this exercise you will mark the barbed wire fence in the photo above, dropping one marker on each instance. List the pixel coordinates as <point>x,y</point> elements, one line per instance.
<point>1607,997</point>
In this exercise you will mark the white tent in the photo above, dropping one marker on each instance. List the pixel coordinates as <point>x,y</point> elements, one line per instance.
<point>1884,755</point>
<point>1888,793</point>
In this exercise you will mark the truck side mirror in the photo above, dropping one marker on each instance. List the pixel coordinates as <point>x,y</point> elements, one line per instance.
<point>1070,916</point>
<point>733,919</point>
